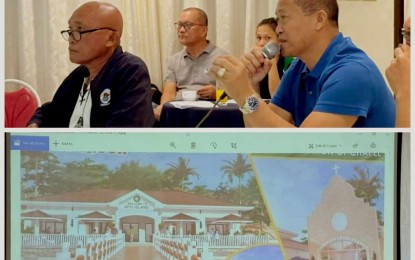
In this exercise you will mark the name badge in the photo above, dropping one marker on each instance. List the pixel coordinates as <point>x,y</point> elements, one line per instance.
<point>105,97</point>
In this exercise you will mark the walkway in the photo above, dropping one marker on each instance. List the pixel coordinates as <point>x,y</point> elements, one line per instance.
<point>138,251</point>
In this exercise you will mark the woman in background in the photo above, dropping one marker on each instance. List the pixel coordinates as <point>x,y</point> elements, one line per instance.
<point>265,32</point>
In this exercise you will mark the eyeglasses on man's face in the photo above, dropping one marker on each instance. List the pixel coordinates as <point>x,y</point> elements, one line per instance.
<point>76,34</point>
<point>186,26</point>
<point>406,33</point>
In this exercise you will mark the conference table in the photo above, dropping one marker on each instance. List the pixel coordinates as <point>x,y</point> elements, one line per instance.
<point>188,114</point>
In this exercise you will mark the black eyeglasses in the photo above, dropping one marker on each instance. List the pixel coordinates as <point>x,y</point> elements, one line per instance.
<point>186,26</point>
<point>76,34</point>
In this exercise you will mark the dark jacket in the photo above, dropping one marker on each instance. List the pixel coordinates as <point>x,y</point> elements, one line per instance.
<point>121,96</point>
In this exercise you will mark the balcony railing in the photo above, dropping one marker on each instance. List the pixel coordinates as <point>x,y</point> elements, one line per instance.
<point>57,240</point>
<point>236,241</point>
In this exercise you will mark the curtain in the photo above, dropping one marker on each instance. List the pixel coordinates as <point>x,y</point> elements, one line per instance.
<point>36,53</point>
<point>407,11</point>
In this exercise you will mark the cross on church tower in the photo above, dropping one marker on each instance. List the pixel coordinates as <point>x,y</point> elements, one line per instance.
<point>335,168</point>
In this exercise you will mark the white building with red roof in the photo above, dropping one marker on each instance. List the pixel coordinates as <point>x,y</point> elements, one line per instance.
<point>140,213</point>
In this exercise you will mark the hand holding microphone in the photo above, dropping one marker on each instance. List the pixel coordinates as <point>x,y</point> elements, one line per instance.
<point>258,61</point>
<point>270,50</point>
<point>231,72</point>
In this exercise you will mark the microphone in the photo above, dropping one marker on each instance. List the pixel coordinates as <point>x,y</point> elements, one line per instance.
<point>270,50</point>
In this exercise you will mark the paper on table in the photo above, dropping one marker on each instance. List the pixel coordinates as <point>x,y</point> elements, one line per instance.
<point>187,104</point>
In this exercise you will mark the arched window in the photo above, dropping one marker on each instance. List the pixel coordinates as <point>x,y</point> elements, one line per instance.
<point>343,249</point>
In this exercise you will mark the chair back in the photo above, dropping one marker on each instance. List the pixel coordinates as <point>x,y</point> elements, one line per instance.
<point>20,105</point>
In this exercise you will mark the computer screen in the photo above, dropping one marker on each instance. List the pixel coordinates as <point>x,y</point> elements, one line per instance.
<point>200,195</point>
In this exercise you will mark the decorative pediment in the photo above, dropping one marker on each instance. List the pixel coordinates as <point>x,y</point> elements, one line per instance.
<point>136,201</point>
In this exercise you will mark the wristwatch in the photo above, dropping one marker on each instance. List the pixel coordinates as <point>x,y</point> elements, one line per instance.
<point>251,104</point>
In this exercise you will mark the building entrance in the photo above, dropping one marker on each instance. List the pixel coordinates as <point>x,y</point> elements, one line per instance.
<point>137,229</point>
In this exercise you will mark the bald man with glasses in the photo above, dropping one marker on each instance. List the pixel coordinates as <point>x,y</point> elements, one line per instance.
<point>110,88</point>
<point>186,68</point>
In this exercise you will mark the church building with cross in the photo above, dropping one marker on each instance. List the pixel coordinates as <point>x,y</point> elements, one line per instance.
<point>343,226</point>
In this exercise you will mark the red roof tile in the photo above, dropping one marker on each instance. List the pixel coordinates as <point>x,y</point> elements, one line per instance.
<point>36,214</point>
<point>185,198</point>
<point>232,218</point>
<point>108,195</point>
<point>91,196</point>
<point>95,214</point>
<point>181,217</point>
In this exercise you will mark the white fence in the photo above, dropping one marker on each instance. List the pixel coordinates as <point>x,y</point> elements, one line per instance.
<point>192,246</point>
<point>57,240</point>
<point>237,241</point>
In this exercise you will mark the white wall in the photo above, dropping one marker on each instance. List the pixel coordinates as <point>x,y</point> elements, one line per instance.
<point>370,25</point>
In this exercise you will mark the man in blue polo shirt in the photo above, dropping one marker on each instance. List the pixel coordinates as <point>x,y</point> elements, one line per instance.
<point>331,84</point>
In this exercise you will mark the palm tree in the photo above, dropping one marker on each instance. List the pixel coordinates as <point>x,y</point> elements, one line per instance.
<point>366,187</point>
<point>236,168</point>
<point>179,173</point>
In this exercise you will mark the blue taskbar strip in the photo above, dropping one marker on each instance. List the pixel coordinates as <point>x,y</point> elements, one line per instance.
<point>29,143</point>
